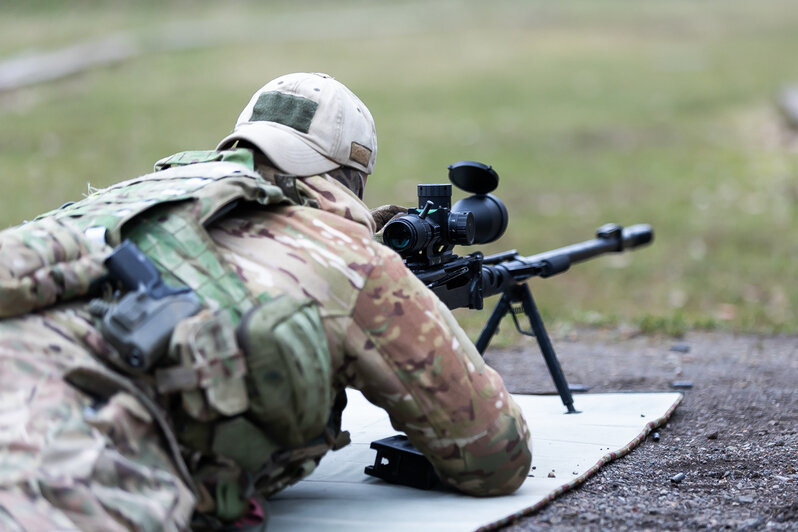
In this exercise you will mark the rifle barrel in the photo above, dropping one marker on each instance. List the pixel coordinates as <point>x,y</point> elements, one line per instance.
<point>629,238</point>
<point>498,274</point>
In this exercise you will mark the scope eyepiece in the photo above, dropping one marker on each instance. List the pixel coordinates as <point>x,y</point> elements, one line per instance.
<point>407,234</point>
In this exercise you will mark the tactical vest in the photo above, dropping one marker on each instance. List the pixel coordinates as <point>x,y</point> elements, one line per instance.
<point>252,370</point>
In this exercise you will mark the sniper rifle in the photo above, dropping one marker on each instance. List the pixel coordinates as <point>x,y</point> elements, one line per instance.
<point>425,238</point>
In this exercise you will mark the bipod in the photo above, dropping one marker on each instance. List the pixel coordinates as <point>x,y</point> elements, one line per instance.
<point>514,295</point>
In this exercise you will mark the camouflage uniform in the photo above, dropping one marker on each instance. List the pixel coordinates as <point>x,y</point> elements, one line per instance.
<point>78,449</point>
<point>389,336</point>
<point>70,459</point>
<point>298,302</point>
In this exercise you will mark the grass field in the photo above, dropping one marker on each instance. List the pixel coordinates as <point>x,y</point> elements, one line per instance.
<point>590,111</point>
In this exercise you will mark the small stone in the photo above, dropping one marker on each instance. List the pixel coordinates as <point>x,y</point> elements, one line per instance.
<point>754,522</point>
<point>713,436</point>
<point>681,385</point>
<point>681,347</point>
<point>655,436</point>
<point>677,478</point>
<point>745,499</point>
<point>552,475</point>
<point>590,517</point>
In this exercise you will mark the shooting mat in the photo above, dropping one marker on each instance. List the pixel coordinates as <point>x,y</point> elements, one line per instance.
<point>339,496</point>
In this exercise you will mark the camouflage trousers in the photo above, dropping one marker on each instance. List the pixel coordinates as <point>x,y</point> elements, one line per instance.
<point>67,461</point>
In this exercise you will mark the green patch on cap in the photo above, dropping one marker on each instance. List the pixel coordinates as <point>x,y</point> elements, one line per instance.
<point>286,109</point>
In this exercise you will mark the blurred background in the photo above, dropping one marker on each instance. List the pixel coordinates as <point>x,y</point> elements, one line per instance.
<point>670,113</point>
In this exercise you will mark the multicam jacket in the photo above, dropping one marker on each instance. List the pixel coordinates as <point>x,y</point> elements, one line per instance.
<point>100,459</point>
<point>389,336</point>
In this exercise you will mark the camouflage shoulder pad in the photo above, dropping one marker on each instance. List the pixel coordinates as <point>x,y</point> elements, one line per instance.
<point>183,158</point>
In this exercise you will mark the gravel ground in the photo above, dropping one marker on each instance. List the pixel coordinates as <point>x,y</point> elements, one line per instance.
<point>734,437</point>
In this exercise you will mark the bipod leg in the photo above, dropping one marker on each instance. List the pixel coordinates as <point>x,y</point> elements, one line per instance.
<point>502,307</point>
<point>522,294</point>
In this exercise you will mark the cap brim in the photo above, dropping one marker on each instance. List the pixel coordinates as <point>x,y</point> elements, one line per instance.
<point>284,148</point>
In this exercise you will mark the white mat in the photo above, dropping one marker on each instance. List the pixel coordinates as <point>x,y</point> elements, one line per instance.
<point>339,496</point>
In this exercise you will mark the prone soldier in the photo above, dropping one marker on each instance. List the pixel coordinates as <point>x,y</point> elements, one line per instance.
<point>285,299</point>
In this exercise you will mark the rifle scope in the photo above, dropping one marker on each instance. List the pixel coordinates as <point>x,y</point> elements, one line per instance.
<point>437,226</point>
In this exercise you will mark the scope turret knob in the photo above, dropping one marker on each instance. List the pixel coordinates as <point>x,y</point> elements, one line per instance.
<point>462,228</point>
<point>440,194</point>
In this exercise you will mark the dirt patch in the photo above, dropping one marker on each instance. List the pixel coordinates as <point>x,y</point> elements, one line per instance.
<point>734,437</point>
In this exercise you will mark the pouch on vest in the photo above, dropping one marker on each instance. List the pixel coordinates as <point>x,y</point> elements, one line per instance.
<point>289,369</point>
<point>210,367</point>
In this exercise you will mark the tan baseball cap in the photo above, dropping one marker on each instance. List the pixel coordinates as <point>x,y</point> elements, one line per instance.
<point>308,124</point>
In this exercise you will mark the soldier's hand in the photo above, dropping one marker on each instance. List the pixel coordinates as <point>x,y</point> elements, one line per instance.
<point>385,213</point>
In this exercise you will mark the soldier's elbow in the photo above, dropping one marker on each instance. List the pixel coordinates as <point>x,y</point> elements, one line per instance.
<point>493,475</point>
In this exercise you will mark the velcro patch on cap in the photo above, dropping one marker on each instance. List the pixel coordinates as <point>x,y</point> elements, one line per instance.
<point>286,109</point>
<point>360,154</point>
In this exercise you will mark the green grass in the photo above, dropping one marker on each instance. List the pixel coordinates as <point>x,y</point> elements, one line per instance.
<point>590,111</point>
